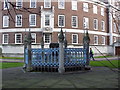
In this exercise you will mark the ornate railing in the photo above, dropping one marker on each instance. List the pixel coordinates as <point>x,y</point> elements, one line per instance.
<point>50,57</point>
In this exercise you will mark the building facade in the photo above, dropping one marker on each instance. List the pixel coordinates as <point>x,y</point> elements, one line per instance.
<point>45,18</point>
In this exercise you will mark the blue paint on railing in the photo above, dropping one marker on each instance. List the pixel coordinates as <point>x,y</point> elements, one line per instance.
<point>50,56</point>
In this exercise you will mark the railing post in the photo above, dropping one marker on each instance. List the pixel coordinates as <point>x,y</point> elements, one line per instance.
<point>86,41</point>
<point>29,52</point>
<point>61,68</point>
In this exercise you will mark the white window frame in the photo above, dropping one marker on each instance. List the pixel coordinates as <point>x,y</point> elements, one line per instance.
<point>103,40</point>
<point>61,4</point>
<point>6,2</point>
<point>63,21</point>
<point>114,27</point>
<point>30,24</point>
<point>73,22</point>
<point>31,3</point>
<point>103,25</point>
<point>74,4</point>
<point>45,20</point>
<point>95,25</point>
<point>102,11</point>
<point>17,19</point>
<point>96,41</point>
<point>4,39</point>
<point>48,1</point>
<point>5,21</point>
<point>85,23</point>
<point>49,38</point>
<point>85,7</point>
<point>95,9</point>
<point>35,38</point>
<point>76,38</point>
<point>17,4</point>
<point>16,38</point>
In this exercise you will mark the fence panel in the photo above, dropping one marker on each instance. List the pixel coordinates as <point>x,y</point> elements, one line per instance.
<point>75,57</point>
<point>45,57</point>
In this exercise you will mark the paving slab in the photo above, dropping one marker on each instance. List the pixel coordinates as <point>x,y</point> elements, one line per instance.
<point>98,77</point>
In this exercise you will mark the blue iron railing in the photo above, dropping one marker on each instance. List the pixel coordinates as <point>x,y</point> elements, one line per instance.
<point>75,57</point>
<point>50,56</point>
<point>45,57</point>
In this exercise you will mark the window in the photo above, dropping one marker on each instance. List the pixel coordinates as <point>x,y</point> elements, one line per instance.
<point>33,35</point>
<point>18,20</point>
<point>85,7</point>
<point>32,19</point>
<point>47,3</point>
<point>74,21</point>
<point>95,40</point>
<point>32,3</point>
<point>75,38</point>
<point>47,38</point>
<point>5,21</point>
<point>6,4</point>
<point>94,9</point>
<point>47,20</point>
<point>18,38</point>
<point>103,40</point>
<point>86,23</point>
<point>102,11</point>
<point>74,4</point>
<point>95,24</point>
<point>5,38</point>
<point>103,25</point>
<point>18,4</point>
<point>114,27</point>
<point>61,4</point>
<point>61,20</point>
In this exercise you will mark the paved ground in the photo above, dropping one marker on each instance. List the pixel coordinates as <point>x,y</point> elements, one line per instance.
<point>98,77</point>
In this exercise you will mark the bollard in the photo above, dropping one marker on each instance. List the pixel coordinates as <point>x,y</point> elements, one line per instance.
<point>61,68</point>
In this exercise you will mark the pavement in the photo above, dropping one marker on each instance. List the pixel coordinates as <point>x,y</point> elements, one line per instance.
<point>21,60</point>
<point>98,77</point>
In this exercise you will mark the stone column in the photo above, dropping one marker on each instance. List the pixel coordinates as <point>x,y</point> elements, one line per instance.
<point>86,41</point>
<point>25,47</point>
<point>29,52</point>
<point>61,68</point>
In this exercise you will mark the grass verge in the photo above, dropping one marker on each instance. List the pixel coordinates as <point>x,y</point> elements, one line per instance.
<point>10,65</point>
<point>106,63</point>
<point>102,56</point>
<point>92,63</point>
<point>11,58</point>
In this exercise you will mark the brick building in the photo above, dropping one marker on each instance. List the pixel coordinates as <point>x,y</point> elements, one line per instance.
<point>46,17</point>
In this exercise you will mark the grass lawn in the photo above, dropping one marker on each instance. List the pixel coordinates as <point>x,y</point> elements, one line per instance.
<point>11,58</point>
<point>92,63</point>
<point>106,63</point>
<point>102,56</point>
<point>9,65</point>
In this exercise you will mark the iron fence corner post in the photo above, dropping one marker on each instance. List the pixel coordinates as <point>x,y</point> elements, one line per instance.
<point>61,68</point>
<point>86,41</point>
